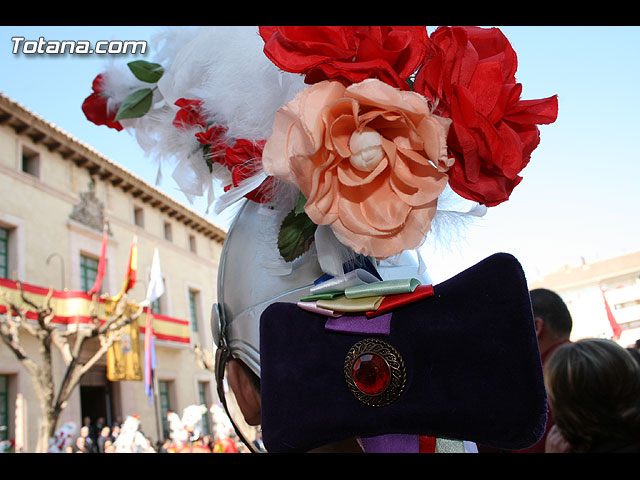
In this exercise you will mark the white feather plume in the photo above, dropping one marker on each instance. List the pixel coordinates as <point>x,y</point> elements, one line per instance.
<point>241,88</point>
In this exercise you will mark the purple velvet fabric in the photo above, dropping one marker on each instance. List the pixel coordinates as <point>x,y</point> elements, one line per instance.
<point>472,361</point>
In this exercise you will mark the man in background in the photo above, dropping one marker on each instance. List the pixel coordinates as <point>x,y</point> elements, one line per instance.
<point>553,325</point>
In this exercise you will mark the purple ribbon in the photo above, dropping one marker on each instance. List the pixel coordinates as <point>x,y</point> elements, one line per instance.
<point>392,443</point>
<point>360,324</point>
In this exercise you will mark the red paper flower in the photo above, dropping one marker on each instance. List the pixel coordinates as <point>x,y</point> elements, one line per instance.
<point>470,73</point>
<point>190,114</point>
<point>348,54</point>
<point>243,160</point>
<point>95,106</point>
<point>213,138</point>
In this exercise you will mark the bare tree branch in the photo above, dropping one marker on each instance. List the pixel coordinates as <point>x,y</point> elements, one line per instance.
<point>204,358</point>
<point>8,332</point>
<point>61,341</point>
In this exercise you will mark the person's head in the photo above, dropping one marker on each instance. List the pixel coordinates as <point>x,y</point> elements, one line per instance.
<point>80,442</point>
<point>593,387</point>
<point>635,353</point>
<point>105,431</point>
<point>551,316</point>
<point>84,431</point>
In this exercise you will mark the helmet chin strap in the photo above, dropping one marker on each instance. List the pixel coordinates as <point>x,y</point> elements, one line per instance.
<point>223,355</point>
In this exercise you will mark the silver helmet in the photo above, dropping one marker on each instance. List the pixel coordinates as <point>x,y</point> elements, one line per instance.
<point>251,276</point>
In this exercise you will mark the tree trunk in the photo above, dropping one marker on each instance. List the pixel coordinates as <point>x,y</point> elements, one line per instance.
<point>47,429</point>
<point>46,395</point>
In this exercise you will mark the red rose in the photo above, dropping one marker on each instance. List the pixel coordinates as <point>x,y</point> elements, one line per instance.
<point>213,138</point>
<point>190,114</point>
<point>348,54</point>
<point>470,73</point>
<point>243,160</point>
<point>95,106</point>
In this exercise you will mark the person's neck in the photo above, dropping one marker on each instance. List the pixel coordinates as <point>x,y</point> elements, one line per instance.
<point>548,344</point>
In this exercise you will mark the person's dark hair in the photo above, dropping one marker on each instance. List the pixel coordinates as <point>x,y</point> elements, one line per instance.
<point>550,307</point>
<point>593,386</point>
<point>635,354</point>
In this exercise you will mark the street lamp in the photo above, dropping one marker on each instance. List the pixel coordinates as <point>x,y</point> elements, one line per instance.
<point>61,267</point>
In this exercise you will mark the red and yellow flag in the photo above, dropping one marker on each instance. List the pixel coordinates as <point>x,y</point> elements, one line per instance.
<point>132,269</point>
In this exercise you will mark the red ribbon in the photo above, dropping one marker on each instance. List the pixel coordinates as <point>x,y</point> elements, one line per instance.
<point>391,302</point>
<point>427,444</point>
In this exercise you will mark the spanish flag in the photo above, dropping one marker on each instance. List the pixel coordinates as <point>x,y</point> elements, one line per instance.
<point>132,269</point>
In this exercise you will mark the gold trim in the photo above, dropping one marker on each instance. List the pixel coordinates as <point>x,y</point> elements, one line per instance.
<point>397,369</point>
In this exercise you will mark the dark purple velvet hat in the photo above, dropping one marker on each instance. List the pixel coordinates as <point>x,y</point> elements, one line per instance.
<point>464,363</point>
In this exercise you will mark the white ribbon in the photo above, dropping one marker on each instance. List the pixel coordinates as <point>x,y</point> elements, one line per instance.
<point>237,193</point>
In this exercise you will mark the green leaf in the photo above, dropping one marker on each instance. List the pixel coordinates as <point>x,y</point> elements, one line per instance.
<point>300,203</point>
<point>136,104</point>
<point>296,235</point>
<point>146,71</point>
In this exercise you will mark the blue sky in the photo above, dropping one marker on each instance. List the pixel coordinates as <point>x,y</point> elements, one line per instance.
<point>579,197</point>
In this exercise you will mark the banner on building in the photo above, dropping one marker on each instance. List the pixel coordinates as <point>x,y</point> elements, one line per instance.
<point>75,308</point>
<point>124,360</point>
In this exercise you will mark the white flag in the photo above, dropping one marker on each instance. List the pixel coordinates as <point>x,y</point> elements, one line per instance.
<point>156,284</point>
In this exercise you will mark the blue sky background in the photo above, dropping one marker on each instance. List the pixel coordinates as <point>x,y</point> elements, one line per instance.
<point>579,197</point>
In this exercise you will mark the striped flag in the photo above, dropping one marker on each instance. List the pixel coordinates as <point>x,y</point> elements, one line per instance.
<point>149,356</point>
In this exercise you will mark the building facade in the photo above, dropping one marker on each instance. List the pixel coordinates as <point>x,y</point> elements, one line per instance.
<point>55,195</point>
<point>589,288</point>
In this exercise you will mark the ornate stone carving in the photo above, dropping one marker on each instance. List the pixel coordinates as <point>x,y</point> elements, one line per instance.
<point>90,210</point>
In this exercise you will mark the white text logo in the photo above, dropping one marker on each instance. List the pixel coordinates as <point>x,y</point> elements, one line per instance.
<point>77,47</point>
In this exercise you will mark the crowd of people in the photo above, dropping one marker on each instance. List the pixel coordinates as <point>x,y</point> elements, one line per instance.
<point>95,437</point>
<point>206,444</point>
<point>100,438</point>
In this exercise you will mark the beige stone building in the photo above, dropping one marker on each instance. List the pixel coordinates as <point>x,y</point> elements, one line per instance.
<point>55,193</point>
<point>582,287</point>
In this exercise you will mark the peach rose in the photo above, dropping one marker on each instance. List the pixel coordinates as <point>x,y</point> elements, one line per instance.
<point>370,159</point>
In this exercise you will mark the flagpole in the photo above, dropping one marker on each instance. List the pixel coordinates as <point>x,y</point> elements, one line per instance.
<point>156,402</point>
<point>155,289</point>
